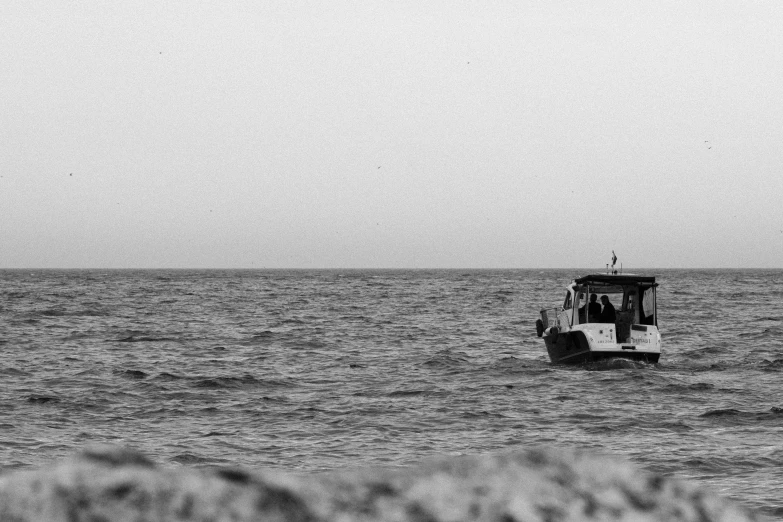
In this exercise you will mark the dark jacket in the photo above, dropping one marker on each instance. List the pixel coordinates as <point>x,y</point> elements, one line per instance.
<point>608,314</point>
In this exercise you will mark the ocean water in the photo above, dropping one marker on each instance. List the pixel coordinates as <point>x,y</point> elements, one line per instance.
<point>317,370</point>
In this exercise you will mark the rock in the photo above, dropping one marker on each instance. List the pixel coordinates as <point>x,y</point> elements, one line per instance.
<point>115,484</point>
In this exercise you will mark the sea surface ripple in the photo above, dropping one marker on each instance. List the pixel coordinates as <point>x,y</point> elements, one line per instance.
<point>311,370</point>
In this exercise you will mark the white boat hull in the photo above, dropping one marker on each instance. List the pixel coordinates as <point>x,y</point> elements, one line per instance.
<point>595,341</point>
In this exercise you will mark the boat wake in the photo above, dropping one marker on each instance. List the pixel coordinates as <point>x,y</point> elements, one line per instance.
<point>618,363</point>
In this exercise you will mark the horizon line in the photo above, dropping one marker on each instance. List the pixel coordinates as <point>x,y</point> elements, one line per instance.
<point>386,268</point>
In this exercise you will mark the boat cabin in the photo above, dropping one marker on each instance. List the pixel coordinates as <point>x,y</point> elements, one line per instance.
<point>633,298</point>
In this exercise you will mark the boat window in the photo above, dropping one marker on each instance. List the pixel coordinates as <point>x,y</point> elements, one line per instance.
<point>581,299</point>
<point>630,301</point>
<point>567,303</point>
<point>581,306</point>
<point>606,289</point>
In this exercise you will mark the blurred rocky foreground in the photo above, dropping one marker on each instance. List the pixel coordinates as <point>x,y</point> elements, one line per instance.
<point>112,484</point>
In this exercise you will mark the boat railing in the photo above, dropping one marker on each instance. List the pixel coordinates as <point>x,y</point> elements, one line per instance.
<point>554,317</point>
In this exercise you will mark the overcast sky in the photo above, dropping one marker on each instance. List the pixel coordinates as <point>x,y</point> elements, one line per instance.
<point>391,134</point>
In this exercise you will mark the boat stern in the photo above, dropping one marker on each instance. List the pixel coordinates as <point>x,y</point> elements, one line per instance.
<point>596,341</point>
<point>643,342</point>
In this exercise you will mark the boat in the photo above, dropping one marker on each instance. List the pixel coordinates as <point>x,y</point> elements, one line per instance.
<point>576,333</point>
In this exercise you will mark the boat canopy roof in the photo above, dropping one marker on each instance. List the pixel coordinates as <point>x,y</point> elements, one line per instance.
<point>619,279</point>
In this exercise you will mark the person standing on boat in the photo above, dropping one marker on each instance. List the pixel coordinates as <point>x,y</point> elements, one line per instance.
<point>608,314</point>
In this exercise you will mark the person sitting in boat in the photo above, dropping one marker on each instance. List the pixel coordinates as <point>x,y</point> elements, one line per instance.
<point>594,308</point>
<point>608,315</point>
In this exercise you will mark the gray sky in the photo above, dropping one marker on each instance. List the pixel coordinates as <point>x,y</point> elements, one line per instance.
<point>391,134</point>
